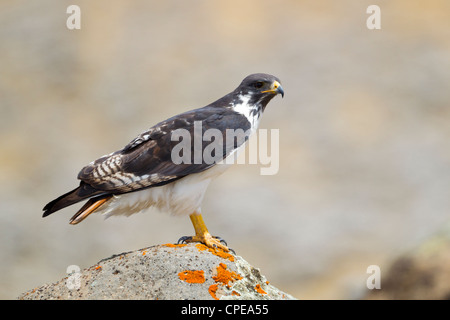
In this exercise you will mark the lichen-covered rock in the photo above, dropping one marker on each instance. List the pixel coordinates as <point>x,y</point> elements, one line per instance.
<point>163,272</point>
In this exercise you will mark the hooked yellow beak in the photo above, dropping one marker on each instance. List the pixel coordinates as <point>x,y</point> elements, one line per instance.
<point>275,88</point>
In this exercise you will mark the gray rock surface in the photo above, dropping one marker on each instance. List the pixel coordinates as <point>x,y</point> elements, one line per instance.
<point>163,272</point>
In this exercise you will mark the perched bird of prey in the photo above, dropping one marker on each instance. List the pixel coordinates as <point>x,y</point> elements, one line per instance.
<point>144,174</point>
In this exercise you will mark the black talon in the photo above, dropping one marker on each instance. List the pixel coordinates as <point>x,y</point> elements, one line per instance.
<point>225,243</point>
<point>184,239</point>
<point>221,240</point>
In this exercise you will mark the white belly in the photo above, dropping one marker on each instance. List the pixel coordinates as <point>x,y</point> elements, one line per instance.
<point>183,196</point>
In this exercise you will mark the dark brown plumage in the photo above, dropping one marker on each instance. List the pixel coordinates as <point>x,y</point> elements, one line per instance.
<point>146,161</point>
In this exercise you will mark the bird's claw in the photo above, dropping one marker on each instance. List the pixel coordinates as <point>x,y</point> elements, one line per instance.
<point>213,242</point>
<point>184,239</point>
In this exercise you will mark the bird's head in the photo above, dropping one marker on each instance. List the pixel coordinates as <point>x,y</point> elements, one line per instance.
<point>260,87</point>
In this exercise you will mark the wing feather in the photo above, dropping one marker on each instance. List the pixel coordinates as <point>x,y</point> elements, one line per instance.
<point>146,161</point>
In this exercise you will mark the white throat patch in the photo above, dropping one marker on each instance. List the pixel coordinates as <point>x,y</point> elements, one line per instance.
<point>251,112</point>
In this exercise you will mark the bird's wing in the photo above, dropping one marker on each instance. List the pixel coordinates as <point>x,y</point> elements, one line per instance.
<point>147,160</point>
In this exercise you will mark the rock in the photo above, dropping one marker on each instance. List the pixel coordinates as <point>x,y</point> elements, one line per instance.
<point>163,272</point>
<point>422,273</point>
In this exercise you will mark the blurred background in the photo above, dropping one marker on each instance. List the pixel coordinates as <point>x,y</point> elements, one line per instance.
<point>364,130</point>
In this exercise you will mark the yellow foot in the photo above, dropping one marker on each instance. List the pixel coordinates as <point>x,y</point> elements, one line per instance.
<point>202,235</point>
<point>207,239</point>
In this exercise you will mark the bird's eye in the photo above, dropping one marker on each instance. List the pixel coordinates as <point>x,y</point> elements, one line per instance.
<point>258,85</point>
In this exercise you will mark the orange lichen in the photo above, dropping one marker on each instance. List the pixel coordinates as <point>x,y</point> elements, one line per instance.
<point>218,252</point>
<point>234,293</point>
<point>224,276</point>
<point>259,290</point>
<point>212,291</point>
<point>171,245</point>
<point>144,253</point>
<point>192,276</point>
<point>98,267</point>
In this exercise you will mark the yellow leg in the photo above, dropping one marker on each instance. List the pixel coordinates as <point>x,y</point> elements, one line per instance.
<point>202,234</point>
